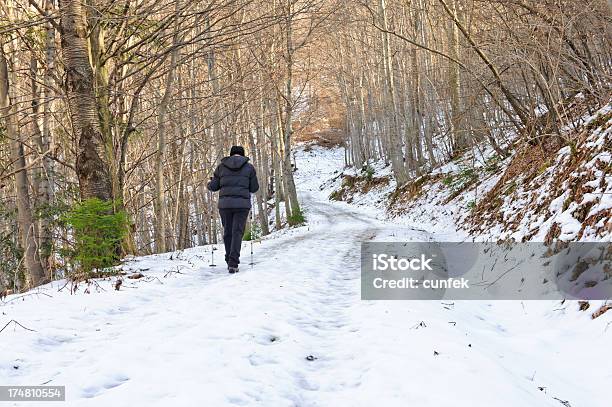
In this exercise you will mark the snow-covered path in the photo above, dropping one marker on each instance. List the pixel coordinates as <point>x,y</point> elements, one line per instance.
<point>292,331</point>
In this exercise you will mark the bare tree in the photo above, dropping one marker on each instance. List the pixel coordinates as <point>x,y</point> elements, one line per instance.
<point>24,210</point>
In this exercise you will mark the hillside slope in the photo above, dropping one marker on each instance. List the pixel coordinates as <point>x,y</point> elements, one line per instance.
<point>538,193</point>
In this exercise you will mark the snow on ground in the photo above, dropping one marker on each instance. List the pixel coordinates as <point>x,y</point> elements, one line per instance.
<point>440,219</point>
<point>291,330</point>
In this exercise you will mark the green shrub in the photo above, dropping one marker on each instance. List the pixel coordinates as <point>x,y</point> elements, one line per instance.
<point>492,164</point>
<point>11,268</point>
<point>253,232</point>
<point>98,232</point>
<point>296,218</point>
<point>368,172</point>
<point>468,174</point>
<point>458,182</point>
<point>336,195</point>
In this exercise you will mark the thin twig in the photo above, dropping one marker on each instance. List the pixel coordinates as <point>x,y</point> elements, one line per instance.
<point>178,271</point>
<point>16,323</point>
<point>27,295</point>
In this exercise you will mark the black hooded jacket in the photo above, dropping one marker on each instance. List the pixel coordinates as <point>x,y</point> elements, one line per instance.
<point>235,177</point>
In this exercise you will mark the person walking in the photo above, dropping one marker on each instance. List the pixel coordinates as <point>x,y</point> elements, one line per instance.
<point>236,179</point>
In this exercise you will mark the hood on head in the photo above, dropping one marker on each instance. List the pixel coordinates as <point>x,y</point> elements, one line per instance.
<point>234,162</point>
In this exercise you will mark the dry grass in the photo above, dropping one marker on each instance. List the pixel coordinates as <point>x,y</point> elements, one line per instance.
<point>528,163</point>
<point>352,185</point>
<point>401,198</point>
<point>329,138</point>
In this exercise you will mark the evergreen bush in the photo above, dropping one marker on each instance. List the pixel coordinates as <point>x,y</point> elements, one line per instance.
<point>11,268</point>
<point>368,172</point>
<point>98,232</point>
<point>297,218</point>
<point>253,232</point>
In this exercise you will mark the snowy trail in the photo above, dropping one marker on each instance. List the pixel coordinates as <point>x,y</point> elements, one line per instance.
<point>204,329</point>
<point>192,335</point>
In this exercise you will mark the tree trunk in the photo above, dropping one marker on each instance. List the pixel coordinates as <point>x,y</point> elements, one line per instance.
<point>460,141</point>
<point>395,141</point>
<point>290,189</point>
<point>40,180</point>
<point>264,159</point>
<point>8,111</point>
<point>160,201</point>
<point>91,167</point>
<point>46,185</point>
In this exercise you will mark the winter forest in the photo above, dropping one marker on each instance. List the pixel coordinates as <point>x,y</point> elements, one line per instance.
<point>134,102</point>
<point>437,120</point>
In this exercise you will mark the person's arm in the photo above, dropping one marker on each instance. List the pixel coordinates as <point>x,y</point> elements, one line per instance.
<point>253,183</point>
<point>215,182</point>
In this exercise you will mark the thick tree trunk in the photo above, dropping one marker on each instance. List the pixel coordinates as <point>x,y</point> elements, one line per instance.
<point>278,185</point>
<point>91,167</point>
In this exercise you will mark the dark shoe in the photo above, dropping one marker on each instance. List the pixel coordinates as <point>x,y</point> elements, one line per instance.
<point>232,270</point>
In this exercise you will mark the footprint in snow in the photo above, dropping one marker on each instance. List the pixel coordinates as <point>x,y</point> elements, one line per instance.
<point>305,384</point>
<point>111,383</point>
<point>237,400</point>
<point>258,360</point>
<point>50,342</point>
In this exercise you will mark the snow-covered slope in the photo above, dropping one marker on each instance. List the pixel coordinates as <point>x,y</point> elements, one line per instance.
<point>532,195</point>
<point>291,330</point>
<point>566,195</point>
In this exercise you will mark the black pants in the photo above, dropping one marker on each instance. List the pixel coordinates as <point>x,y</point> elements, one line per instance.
<point>234,222</point>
